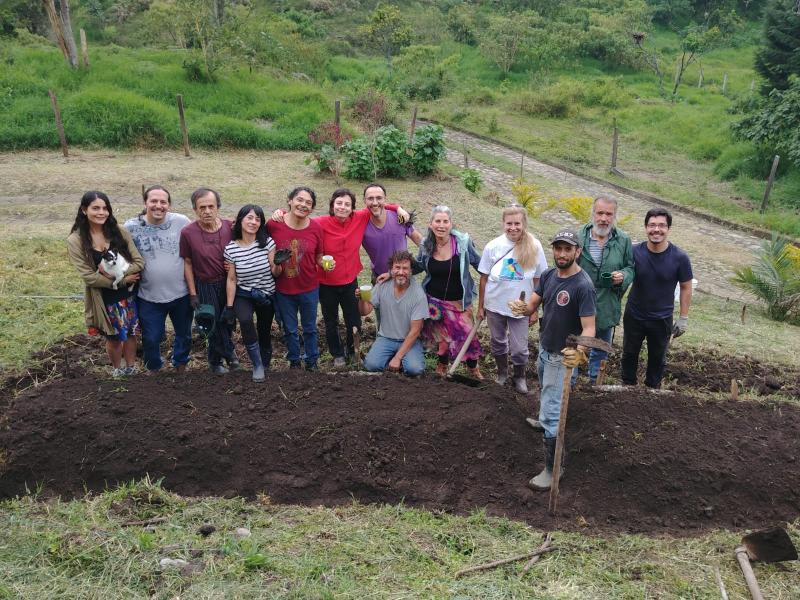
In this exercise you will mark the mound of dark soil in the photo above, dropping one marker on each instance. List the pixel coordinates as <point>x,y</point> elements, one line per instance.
<point>637,461</point>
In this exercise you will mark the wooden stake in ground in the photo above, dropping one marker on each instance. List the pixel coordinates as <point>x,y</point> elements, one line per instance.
<point>184,132</point>
<point>522,166</point>
<point>700,79</point>
<point>466,157</point>
<point>724,84</point>
<point>770,182</point>
<point>337,119</point>
<point>562,425</point>
<point>734,390</point>
<point>84,49</point>
<point>413,127</point>
<point>614,152</point>
<point>601,373</point>
<point>59,125</point>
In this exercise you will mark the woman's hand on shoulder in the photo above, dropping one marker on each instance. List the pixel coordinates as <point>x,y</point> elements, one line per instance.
<point>278,215</point>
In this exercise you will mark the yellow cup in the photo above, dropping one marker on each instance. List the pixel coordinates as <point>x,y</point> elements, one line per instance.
<point>366,292</point>
<point>327,262</point>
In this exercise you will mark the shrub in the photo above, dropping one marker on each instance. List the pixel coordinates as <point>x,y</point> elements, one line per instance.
<point>391,148</point>
<point>556,101</point>
<point>775,279</point>
<point>372,109</point>
<point>606,92</point>
<point>427,149</point>
<point>746,159</point>
<point>359,159</point>
<point>472,180</point>
<point>483,96</point>
<point>530,196</point>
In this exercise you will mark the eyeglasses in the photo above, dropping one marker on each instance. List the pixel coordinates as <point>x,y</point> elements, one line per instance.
<point>657,226</point>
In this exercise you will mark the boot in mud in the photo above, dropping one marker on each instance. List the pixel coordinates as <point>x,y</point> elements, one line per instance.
<point>542,482</point>
<point>501,360</point>
<point>520,385</point>
<point>254,352</point>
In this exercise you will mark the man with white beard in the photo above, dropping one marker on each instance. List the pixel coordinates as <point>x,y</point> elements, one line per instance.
<point>607,258</point>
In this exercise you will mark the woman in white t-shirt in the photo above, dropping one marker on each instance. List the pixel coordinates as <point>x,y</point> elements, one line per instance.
<point>510,266</point>
<point>251,285</point>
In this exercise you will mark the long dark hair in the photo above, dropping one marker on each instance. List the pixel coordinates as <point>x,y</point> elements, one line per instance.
<point>261,234</point>
<point>110,228</point>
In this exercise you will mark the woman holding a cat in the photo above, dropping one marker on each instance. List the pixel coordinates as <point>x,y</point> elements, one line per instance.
<point>110,311</point>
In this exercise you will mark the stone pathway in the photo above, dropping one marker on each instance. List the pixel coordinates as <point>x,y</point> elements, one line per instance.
<point>715,250</point>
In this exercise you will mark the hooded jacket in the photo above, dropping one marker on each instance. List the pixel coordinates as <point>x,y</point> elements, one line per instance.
<point>467,255</point>
<point>617,255</point>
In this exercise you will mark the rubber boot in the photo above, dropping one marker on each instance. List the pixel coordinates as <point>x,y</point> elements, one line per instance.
<point>544,479</point>
<point>501,360</point>
<point>254,352</point>
<point>520,385</point>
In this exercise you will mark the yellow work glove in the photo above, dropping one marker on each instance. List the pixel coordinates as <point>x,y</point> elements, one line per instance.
<point>574,357</point>
<point>519,308</point>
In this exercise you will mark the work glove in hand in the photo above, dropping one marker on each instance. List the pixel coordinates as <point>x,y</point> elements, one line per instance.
<point>680,327</point>
<point>281,256</point>
<point>519,308</point>
<point>574,357</point>
<point>194,301</point>
<point>409,221</point>
<point>228,316</point>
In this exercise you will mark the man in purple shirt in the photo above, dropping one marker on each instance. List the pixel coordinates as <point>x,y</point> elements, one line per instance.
<point>384,234</point>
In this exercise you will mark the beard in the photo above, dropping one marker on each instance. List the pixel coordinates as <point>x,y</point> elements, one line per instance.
<point>565,263</point>
<point>602,230</point>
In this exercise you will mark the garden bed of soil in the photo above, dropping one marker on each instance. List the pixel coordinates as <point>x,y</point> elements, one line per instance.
<point>637,461</point>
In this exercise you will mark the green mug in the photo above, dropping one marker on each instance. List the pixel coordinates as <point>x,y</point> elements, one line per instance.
<point>605,280</point>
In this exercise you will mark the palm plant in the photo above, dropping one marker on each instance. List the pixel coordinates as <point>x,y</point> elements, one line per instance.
<point>775,279</point>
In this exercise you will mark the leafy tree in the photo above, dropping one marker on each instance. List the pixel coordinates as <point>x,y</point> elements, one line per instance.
<point>694,42</point>
<point>386,31</point>
<point>779,57</point>
<point>462,24</point>
<point>506,36</point>
<point>22,14</point>
<point>775,124</point>
<point>775,279</point>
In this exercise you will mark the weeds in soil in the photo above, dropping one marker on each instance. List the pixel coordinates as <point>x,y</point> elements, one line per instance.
<point>80,549</point>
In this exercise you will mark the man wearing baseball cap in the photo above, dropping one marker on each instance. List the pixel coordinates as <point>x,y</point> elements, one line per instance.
<point>568,299</point>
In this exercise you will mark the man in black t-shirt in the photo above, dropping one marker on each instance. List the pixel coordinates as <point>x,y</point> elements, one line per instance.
<point>568,299</point>
<point>660,266</point>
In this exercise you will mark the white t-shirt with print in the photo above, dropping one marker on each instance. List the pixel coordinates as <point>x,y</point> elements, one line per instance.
<point>506,278</point>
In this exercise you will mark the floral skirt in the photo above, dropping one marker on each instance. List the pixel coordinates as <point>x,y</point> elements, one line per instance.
<point>448,323</point>
<point>124,318</point>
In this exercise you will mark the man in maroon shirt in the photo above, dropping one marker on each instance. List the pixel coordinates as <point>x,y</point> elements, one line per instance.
<point>201,247</point>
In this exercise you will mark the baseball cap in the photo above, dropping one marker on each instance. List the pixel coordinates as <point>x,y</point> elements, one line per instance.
<point>566,235</point>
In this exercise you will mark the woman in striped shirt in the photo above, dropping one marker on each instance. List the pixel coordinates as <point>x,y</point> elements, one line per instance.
<point>251,285</point>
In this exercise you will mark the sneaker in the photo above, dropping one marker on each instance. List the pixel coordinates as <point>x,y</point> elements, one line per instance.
<point>339,362</point>
<point>234,364</point>
<point>118,373</point>
<point>312,367</point>
<point>218,369</point>
<point>128,371</point>
<point>534,423</point>
<point>295,364</point>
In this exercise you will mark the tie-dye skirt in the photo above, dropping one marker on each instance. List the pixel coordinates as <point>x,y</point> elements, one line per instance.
<point>448,323</point>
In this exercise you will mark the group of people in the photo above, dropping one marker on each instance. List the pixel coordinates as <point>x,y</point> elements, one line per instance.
<point>257,268</point>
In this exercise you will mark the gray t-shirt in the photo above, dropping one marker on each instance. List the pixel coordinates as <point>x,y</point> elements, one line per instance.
<point>162,278</point>
<point>397,313</point>
<point>564,302</point>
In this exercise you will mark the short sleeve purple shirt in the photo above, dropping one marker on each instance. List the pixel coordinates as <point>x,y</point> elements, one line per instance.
<point>381,242</point>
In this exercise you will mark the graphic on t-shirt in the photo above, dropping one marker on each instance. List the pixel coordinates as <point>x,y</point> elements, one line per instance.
<point>297,254</point>
<point>562,298</point>
<point>511,271</point>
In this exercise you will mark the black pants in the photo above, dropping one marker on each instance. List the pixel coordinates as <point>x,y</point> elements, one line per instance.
<point>220,344</point>
<point>331,297</point>
<point>657,333</point>
<point>259,330</point>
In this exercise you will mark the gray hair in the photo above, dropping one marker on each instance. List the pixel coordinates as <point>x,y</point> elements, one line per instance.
<point>429,241</point>
<point>609,199</point>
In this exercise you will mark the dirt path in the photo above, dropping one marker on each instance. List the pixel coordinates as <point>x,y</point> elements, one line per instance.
<point>715,250</point>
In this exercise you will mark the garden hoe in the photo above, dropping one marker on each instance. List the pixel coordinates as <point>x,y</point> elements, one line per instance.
<point>451,374</point>
<point>573,341</point>
<point>765,545</point>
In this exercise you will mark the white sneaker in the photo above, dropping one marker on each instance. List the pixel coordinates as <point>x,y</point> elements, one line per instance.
<point>118,373</point>
<point>339,362</point>
<point>128,371</point>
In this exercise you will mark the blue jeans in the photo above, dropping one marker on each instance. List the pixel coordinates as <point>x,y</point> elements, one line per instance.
<point>287,306</point>
<point>153,319</point>
<point>551,382</point>
<point>384,349</point>
<point>595,356</point>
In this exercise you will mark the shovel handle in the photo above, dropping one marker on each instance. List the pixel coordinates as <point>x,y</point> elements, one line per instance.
<point>747,571</point>
<point>463,350</point>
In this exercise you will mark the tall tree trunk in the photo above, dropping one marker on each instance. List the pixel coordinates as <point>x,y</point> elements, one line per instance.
<point>55,24</point>
<point>66,22</point>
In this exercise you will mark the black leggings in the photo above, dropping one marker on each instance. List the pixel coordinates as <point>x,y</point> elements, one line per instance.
<point>331,297</point>
<point>258,331</point>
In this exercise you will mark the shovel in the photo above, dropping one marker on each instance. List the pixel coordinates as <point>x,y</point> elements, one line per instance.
<point>766,545</point>
<point>451,374</point>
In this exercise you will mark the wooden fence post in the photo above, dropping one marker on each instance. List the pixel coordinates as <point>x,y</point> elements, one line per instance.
<point>700,79</point>
<point>184,132</point>
<point>522,166</point>
<point>466,157</point>
<point>724,84</point>
<point>615,151</point>
<point>84,49</point>
<point>337,119</point>
<point>413,127</point>
<point>59,125</point>
<point>770,181</point>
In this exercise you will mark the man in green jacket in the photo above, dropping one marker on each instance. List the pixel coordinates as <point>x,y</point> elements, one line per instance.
<point>607,258</point>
